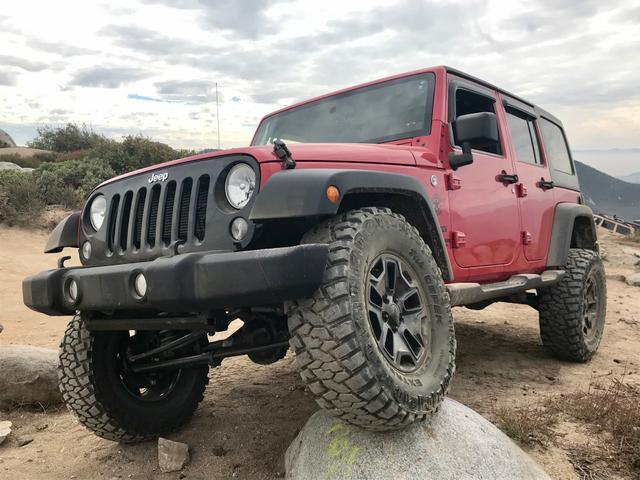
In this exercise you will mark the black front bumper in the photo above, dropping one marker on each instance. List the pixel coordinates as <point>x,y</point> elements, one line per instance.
<point>193,282</point>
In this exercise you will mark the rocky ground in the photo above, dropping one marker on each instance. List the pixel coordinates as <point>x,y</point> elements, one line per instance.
<point>251,413</point>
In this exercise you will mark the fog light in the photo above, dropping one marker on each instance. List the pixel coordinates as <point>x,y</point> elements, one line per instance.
<point>72,291</point>
<point>239,228</point>
<point>86,250</point>
<point>140,285</point>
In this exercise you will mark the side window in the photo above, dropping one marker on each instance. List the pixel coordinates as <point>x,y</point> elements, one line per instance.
<point>471,102</point>
<point>556,146</point>
<point>524,137</point>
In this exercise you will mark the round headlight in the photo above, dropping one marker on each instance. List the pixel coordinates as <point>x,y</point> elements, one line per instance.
<point>240,185</point>
<point>97,211</point>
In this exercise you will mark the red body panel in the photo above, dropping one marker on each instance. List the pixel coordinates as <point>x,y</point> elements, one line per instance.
<point>491,229</point>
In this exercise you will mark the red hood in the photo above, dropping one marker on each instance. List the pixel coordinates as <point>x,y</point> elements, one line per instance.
<point>308,152</point>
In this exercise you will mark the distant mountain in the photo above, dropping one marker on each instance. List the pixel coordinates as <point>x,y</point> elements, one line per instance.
<point>607,194</point>
<point>631,178</point>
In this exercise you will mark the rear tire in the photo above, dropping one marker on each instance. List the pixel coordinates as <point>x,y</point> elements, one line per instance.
<point>115,404</point>
<point>573,311</point>
<point>341,334</point>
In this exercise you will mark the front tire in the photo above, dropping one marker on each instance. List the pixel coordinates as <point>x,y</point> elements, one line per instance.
<point>573,311</point>
<point>118,405</point>
<point>375,343</point>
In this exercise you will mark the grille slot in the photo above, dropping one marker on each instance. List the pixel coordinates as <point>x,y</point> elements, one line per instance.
<point>183,214</point>
<point>152,220</point>
<point>167,215</point>
<point>124,222</point>
<point>201,207</point>
<point>137,225</point>
<point>113,217</point>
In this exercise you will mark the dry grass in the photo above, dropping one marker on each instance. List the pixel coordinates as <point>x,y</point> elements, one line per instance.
<point>527,425</point>
<point>613,413</point>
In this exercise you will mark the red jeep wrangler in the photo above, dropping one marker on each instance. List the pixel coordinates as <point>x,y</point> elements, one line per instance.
<point>346,231</point>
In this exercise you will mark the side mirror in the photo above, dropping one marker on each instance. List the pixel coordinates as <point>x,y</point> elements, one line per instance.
<point>474,129</point>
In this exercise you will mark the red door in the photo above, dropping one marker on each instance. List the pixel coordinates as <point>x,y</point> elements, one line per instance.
<point>535,196</point>
<point>484,212</point>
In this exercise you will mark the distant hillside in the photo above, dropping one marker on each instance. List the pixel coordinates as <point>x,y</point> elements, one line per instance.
<point>607,194</point>
<point>631,178</point>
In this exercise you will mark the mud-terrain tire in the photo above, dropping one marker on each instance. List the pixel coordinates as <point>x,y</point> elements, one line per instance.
<point>95,393</point>
<point>573,311</point>
<point>338,347</point>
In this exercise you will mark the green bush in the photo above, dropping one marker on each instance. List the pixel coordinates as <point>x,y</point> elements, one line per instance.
<point>135,152</point>
<point>69,138</point>
<point>20,199</point>
<point>68,183</point>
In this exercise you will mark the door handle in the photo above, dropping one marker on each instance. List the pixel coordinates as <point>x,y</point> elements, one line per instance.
<point>545,184</point>
<point>504,177</point>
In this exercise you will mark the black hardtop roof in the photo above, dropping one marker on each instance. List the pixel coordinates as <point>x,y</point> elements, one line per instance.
<point>540,111</point>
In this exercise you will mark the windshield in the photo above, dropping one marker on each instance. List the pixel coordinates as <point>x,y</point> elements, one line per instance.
<point>378,113</point>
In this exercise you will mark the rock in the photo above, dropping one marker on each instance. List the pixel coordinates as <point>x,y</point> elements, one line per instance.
<point>458,443</point>
<point>24,440</point>
<point>633,280</point>
<point>172,456</point>
<point>28,375</point>
<point>5,430</point>
<point>616,276</point>
<point>1,328</point>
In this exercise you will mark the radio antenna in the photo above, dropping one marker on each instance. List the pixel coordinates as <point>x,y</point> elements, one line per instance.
<point>218,115</point>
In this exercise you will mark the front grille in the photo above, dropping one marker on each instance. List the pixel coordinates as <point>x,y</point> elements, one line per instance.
<point>161,214</point>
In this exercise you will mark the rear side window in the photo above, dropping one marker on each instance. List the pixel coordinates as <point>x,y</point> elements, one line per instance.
<point>555,146</point>
<point>524,137</point>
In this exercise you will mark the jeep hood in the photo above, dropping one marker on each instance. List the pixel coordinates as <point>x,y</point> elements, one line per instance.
<point>308,152</point>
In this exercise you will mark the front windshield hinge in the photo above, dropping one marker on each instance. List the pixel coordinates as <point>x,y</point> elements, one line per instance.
<point>283,153</point>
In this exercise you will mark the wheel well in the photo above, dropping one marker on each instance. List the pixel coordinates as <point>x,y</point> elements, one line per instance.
<point>583,234</point>
<point>414,209</point>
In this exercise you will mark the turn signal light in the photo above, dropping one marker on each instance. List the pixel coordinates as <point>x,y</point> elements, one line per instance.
<point>333,194</point>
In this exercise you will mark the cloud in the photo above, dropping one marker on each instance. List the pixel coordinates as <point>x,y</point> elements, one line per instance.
<point>241,18</point>
<point>107,77</point>
<point>7,79</point>
<point>23,63</point>
<point>143,40</point>
<point>188,91</point>
<point>57,48</point>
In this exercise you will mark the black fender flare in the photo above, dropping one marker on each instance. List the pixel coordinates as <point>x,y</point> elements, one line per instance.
<point>302,193</point>
<point>64,235</point>
<point>562,233</point>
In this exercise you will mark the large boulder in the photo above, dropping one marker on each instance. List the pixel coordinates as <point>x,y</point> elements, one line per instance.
<point>28,375</point>
<point>457,444</point>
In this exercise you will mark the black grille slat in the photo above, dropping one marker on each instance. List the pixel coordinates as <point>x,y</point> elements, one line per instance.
<point>183,213</point>
<point>111,226</point>
<point>152,219</point>
<point>167,215</point>
<point>124,220</point>
<point>139,215</point>
<point>201,207</point>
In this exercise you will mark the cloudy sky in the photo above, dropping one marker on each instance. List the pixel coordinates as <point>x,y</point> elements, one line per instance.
<point>150,66</point>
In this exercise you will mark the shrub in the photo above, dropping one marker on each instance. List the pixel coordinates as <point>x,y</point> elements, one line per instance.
<point>33,161</point>
<point>135,152</point>
<point>69,138</point>
<point>68,183</point>
<point>20,199</point>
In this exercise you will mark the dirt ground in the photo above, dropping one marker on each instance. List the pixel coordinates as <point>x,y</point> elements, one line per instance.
<point>251,413</point>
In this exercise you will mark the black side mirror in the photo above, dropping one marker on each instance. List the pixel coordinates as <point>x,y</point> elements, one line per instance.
<point>472,130</point>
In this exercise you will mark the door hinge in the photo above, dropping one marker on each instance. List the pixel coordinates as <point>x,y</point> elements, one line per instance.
<point>526,238</point>
<point>458,239</point>
<point>453,182</point>
<point>521,190</point>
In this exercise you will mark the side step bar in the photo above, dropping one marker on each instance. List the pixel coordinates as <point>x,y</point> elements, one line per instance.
<point>469,293</point>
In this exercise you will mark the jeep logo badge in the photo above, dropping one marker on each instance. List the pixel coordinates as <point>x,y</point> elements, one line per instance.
<point>158,177</point>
